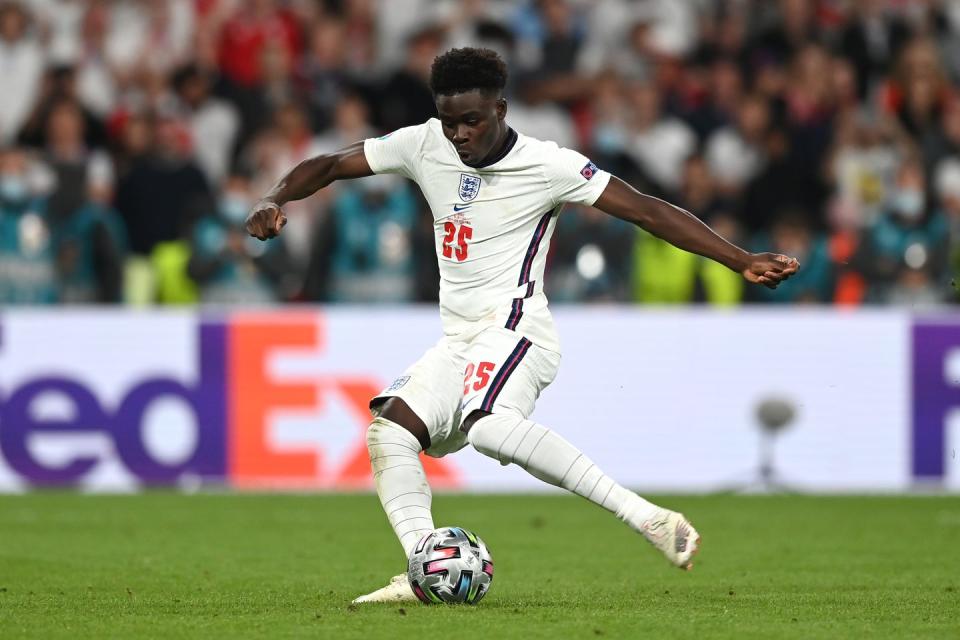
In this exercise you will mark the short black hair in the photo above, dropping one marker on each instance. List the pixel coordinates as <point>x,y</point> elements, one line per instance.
<point>462,70</point>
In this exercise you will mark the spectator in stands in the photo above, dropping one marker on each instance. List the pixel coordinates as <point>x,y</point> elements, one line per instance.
<point>591,261</point>
<point>362,20</point>
<point>791,26</point>
<point>365,253</point>
<point>27,272</point>
<point>609,117</point>
<point>161,193</point>
<point>947,189</point>
<point>70,159</point>
<point>909,240</point>
<point>351,122</point>
<point>229,266</point>
<point>861,167</point>
<point>700,191</point>
<point>810,105</point>
<point>658,142</point>
<point>775,187</point>
<point>149,36</point>
<point>937,148</point>
<point>164,190</point>
<point>716,104</point>
<point>405,99</point>
<point>870,41</point>
<point>288,141</point>
<point>664,274</point>
<point>791,230</point>
<point>91,243</point>
<point>918,91</point>
<point>736,153</point>
<point>22,60</point>
<point>213,123</point>
<point>60,86</point>
<point>248,33</point>
<point>322,75</point>
<point>478,23</point>
<point>550,39</point>
<point>96,83</point>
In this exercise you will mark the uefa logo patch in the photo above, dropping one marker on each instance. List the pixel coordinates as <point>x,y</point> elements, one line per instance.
<point>469,187</point>
<point>589,170</point>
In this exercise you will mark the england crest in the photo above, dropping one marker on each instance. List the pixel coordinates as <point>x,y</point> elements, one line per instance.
<point>469,187</point>
<point>397,384</point>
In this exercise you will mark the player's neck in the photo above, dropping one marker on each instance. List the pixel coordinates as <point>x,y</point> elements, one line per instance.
<point>505,142</point>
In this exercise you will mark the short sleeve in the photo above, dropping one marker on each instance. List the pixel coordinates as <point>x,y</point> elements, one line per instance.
<point>574,178</point>
<point>395,152</point>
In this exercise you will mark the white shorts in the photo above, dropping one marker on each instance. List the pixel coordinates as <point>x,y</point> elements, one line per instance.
<point>498,371</point>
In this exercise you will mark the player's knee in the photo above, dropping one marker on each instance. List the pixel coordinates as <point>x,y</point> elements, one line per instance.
<point>399,413</point>
<point>384,436</point>
<point>471,420</point>
<point>488,431</point>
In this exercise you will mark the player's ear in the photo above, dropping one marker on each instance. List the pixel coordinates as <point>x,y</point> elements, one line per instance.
<point>501,108</point>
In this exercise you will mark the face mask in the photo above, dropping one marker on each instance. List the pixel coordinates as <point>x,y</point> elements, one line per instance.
<point>13,189</point>
<point>234,208</point>
<point>608,139</point>
<point>908,203</point>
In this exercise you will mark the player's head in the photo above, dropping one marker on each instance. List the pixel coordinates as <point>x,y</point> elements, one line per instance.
<point>467,87</point>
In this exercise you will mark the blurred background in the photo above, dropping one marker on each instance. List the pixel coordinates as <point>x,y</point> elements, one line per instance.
<point>136,134</point>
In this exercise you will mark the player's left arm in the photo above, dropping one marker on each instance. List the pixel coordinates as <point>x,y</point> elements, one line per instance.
<point>684,230</point>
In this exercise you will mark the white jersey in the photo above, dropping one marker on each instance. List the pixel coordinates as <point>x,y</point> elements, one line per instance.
<point>492,225</point>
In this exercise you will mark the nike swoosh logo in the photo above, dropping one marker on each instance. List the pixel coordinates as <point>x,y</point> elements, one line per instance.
<point>458,208</point>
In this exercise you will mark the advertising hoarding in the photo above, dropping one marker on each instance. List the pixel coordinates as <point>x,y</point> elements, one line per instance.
<point>661,399</point>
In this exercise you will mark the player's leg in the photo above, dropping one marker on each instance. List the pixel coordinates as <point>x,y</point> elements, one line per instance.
<point>395,439</point>
<point>418,406</point>
<point>509,438</point>
<point>496,426</point>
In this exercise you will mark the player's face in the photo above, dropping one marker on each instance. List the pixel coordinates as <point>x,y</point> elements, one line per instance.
<point>473,122</point>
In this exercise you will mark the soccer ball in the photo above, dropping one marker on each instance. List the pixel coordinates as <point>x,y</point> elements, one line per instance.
<point>450,565</point>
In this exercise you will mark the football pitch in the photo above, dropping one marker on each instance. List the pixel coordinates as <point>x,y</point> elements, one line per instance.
<point>161,565</point>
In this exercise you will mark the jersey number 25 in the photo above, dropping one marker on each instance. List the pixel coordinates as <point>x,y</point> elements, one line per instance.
<point>452,233</point>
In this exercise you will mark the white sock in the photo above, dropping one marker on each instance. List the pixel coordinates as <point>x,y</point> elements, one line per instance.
<point>401,482</point>
<point>549,457</point>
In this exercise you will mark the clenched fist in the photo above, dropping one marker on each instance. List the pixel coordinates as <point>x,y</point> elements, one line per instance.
<point>770,269</point>
<point>265,220</point>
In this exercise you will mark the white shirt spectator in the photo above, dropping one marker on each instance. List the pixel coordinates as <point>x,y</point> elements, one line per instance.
<point>96,86</point>
<point>546,121</point>
<point>214,126</point>
<point>61,22</point>
<point>732,160</point>
<point>396,20</point>
<point>661,150</point>
<point>156,34</point>
<point>21,70</point>
<point>946,179</point>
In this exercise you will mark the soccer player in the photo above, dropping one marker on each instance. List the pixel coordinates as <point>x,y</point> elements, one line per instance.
<point>495,195</point>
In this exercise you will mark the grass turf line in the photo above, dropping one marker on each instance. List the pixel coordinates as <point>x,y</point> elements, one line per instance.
<point>285,566</point>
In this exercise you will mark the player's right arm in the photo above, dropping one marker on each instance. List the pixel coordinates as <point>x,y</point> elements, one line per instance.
<point>267,219</point>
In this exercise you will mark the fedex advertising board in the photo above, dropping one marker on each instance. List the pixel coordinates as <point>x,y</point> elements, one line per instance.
<point>662,400</point>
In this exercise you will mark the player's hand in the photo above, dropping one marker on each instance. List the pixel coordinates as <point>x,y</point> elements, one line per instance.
<point>265,220</point>
<point>770,269</point>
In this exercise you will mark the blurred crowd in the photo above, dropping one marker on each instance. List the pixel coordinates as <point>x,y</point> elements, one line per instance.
<point>136,134</point>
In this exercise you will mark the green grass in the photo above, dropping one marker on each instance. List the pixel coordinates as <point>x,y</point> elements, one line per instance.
<point>282,566</point>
